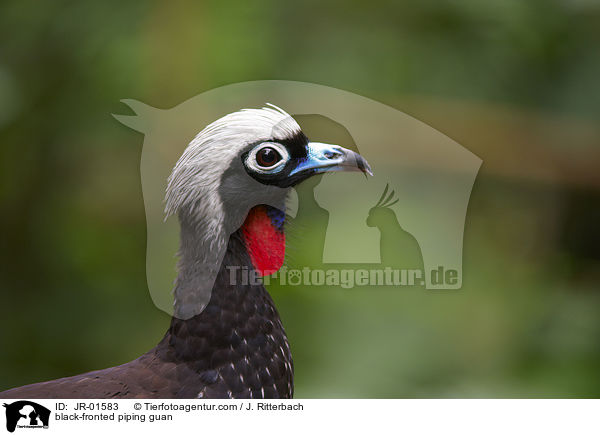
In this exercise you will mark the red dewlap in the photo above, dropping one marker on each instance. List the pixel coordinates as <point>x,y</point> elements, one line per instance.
<point>264,241</point>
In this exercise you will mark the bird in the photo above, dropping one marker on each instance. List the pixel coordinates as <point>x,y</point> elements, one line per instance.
<point>398,248</point>
<point>226,339</point>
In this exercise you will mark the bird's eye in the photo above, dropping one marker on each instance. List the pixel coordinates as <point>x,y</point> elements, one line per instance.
<point>267,157</point>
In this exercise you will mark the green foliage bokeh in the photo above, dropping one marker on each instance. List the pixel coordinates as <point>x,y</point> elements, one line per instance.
<point>514,81</point>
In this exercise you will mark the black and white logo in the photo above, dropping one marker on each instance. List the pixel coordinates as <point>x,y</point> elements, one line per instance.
<point>25,414</point>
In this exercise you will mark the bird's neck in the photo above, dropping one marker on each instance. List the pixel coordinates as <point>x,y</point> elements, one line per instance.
<point>240,325</point>
<point>259,245</point>
<point>237,304</point>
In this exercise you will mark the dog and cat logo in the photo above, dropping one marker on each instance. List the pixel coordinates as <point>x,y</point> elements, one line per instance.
<point>25,414</point>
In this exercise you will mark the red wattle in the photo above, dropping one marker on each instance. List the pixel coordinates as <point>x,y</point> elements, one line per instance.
<point>264,241</point>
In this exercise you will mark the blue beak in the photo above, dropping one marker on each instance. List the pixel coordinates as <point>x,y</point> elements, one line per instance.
<point>324,157</point>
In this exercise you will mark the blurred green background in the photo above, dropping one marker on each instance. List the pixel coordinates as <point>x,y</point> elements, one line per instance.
<point>514,81</point>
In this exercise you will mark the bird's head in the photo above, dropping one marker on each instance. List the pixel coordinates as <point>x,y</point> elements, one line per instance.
<point>247,158</point>
<point>236,173</point>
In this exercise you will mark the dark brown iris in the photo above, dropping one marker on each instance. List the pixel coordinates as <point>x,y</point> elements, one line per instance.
<point>267,157</point>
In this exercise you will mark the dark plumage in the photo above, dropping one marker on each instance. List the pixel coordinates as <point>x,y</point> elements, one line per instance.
<point>235,348</point>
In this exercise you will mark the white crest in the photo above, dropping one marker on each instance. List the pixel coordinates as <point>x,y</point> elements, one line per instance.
<point>212,193</point>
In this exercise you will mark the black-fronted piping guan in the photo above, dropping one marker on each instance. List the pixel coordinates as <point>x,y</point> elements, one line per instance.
<point>225,339</point>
